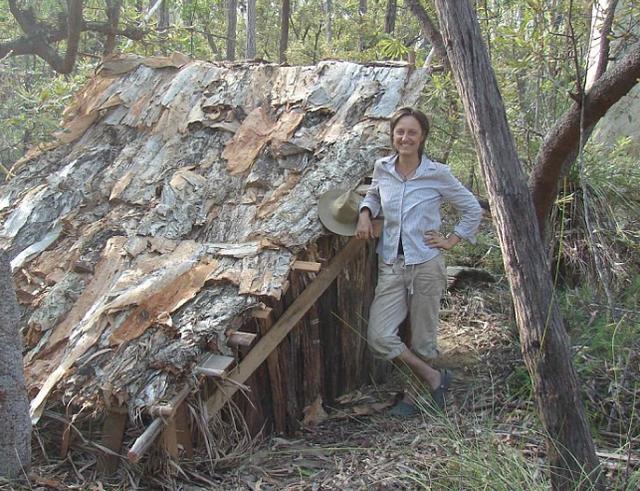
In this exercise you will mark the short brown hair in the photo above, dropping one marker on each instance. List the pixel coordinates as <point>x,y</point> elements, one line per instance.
<point>420,117</point>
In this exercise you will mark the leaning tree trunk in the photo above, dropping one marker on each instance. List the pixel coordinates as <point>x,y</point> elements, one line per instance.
<point>15,425</point>
<point>545,344</point>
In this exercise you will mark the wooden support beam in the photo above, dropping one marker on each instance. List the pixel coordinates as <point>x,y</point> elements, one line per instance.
<point>240,338</point>
<point>308,266</point>
<point>112,436</point>
<point>170,439</point>
<point>183,430</point>
<point>282,327</point>
<point>276,380</point>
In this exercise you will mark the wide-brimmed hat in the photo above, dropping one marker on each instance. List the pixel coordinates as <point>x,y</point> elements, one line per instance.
<point>338,211</point>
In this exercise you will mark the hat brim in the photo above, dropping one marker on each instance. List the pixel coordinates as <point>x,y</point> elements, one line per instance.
<point>326,217</point>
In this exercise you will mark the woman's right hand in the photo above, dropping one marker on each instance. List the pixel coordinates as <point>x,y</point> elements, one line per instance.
<point>364,228</point>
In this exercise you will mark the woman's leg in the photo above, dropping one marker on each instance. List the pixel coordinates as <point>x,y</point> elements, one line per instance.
<point>388,310</point>
<point>429,284</point>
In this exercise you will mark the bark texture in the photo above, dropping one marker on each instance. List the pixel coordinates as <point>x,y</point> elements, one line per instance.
<point>172,205</point>
<point>545,345</point>
<point>15,425</point>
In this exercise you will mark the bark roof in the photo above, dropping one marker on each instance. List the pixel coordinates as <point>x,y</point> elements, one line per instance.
<point>176,198</point>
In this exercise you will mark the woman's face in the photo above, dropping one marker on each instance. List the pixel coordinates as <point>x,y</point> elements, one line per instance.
<point>407,136</point>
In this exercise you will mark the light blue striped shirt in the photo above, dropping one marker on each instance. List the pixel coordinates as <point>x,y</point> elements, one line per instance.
<point>412,207</point>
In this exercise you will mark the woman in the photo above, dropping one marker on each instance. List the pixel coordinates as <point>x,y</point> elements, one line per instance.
<point>408,189</point>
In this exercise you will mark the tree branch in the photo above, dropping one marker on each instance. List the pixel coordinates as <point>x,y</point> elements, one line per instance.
<point>39,37</point>
<point>429,30</point>
<point>561,144</point>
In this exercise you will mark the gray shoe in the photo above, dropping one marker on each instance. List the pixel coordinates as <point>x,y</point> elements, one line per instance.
<point>438,394</point>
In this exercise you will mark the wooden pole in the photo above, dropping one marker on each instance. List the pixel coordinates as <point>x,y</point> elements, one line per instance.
<point>112,436</point>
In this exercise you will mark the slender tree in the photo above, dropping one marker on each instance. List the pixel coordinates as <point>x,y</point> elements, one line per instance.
<point>545,344</point>
<point>362,12</point>
<point>251,29</point>
<point>232,21</point>
<point>285,13</point>
<point>113,15</point>
<point>390,16</point>
<point>15,434</point>
<point>328,5</point>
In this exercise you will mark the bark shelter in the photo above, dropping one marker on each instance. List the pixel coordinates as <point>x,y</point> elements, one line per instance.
<point>545,344</point>
<point>172,206</point>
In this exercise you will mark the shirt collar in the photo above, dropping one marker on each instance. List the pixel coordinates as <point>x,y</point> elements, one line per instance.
<point>426,164</point>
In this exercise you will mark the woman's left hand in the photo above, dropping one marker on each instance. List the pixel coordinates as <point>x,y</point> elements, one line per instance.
<point>433,238</point>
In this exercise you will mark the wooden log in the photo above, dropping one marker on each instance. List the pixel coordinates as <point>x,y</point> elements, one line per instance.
<point>170,439</point>
<point>276,381</point>
<point>112,436</point>
<point>308,266</point>
<point>284,325</point>
<point>183,430</point>
<point>240,338</point>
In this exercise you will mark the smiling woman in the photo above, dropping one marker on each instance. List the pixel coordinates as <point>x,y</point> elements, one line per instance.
<point>408,189</point>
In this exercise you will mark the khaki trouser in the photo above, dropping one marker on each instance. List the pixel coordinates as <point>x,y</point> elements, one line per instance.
<point>415,290</point>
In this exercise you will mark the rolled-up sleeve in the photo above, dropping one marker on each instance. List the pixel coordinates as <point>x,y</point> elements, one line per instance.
<point>372,198</point>
<point>465,203</point>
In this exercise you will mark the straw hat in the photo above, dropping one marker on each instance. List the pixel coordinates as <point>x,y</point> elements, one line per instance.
<point>338,211</point>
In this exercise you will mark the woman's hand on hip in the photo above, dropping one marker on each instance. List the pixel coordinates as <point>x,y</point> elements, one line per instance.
<point>433,238</point>
<point>364,228</point>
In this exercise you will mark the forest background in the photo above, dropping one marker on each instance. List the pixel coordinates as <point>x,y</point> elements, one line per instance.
<point>539,50</point>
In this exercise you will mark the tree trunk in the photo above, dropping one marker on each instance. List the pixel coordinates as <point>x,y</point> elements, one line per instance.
<point>113,16</point>
<point>251,29</point>
<point>15,425</point>
<point>232,20</point>
<point>285,13</point>
<point>428,28</point>
<point>390,16</point>
<point>545,345</point>
<point>362,11</point>
<point>329,16</point>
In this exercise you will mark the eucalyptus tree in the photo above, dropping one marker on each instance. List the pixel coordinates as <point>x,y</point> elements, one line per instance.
<point>545,344</point>
<point>285,14</point>
<point>232,20</point>
<point>251,29</point>
<point>15,437</point>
